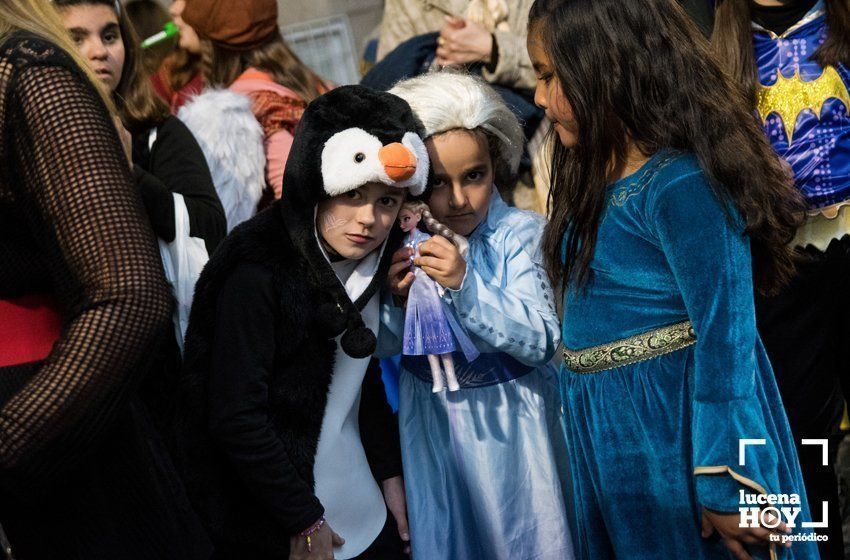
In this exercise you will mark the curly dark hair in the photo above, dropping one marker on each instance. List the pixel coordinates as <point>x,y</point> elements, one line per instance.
<point>642,72</point>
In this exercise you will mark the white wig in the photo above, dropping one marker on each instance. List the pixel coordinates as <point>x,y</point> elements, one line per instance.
<point>451,100</point>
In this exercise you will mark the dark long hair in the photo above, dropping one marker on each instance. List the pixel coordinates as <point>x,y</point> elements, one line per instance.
<point>732,39</point>
<point>138,105</point>
<point>642,71</point>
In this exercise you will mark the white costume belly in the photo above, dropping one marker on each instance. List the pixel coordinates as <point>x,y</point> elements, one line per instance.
<point>354,504</point>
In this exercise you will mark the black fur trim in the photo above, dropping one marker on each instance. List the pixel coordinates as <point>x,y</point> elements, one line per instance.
<point>331,319</point>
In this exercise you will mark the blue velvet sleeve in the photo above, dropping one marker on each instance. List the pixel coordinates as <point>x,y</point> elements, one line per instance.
<point>709,256</point>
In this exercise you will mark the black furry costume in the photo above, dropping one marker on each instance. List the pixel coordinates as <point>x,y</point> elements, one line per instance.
<point>276,256</point>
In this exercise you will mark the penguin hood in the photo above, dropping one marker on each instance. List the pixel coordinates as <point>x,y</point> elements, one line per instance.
<point>346,138</point>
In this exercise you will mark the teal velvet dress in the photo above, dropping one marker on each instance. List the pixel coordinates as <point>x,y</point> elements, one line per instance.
<point>652,442</point>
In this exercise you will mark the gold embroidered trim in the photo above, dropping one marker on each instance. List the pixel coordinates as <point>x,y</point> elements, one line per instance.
<point>741,479</point>
<point>631,350</point>
<point>638,181</point>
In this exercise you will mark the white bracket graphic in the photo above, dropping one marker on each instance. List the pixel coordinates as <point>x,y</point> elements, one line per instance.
<point>742,448</point>
<point>824,443</point>
<point>824,522</point>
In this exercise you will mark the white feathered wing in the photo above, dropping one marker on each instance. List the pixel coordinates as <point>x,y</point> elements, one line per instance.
<point>232,142</point>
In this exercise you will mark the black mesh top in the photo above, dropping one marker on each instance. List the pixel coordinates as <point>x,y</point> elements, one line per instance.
<point>83,473</point>
<point>71,224</point>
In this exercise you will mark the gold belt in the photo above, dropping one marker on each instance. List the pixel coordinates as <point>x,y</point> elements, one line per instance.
<point>631,350</point>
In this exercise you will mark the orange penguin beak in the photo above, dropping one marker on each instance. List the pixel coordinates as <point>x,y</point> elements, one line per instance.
<point>398,161</point>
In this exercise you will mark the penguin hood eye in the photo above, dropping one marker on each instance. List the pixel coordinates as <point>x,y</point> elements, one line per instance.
<point>350,160</point>
<point>353,157</point>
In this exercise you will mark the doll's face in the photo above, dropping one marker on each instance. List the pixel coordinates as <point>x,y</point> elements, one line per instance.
<point>463,179</point>
<point>355,223</point>
<point>408,220</point>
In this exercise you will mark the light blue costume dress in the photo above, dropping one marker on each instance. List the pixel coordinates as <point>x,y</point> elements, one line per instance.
<point>485,467</point>
<point>639,434</point>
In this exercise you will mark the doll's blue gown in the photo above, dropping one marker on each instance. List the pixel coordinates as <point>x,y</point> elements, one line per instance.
<point>430,329</point>
<point>639,434</point>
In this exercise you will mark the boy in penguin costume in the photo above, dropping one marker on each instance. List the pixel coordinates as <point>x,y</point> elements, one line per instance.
<point>285,437</point>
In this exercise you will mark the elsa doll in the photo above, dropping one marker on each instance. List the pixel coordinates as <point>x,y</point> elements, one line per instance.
<point>428,329</point>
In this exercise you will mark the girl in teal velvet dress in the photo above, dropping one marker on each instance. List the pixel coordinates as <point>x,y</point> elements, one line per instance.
<point>662,188</point>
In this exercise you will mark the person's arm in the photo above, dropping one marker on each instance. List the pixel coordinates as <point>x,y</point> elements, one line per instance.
<point>512,65</point>
<point>503,51</point>
<point>279,115</point>
<point>277,152</point>
<point>242,361</point>
<point>400,277</point>
<point>76,192</point>
<point>177,165</point>
<point>710,260</point>
<point>515,313</point>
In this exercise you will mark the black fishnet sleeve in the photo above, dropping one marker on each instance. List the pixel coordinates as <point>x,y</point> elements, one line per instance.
<point>76,193</point>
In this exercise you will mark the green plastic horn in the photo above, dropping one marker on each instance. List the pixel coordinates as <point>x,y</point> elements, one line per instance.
<point>169,30</point>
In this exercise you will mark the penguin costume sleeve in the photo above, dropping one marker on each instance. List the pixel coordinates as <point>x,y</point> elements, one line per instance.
<point>274,334</point>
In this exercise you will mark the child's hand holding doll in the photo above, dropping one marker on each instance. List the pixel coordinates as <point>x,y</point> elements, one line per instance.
<point>401,274</point>
<point>439,257</point>
<point>441,260</point>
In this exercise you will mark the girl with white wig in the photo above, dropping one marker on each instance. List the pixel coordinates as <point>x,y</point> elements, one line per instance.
<point>486,465</point>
